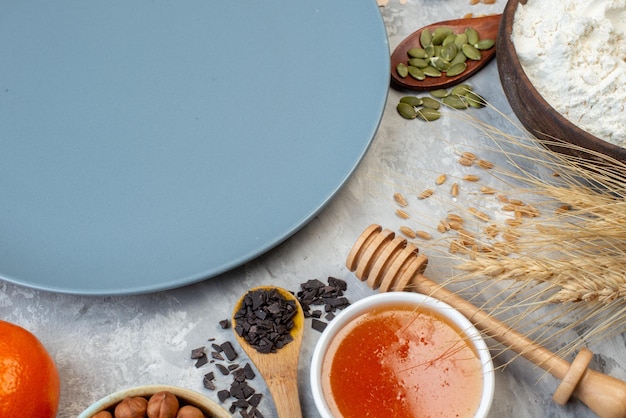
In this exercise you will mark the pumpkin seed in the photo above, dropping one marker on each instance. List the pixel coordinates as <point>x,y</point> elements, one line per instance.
<point>406,111</point>
<point>402,70</point>
<point>430,103</point>
<point>432,72</point>
<point>449,51</point>
<point>416,73</point>
<point>472,35</point>
<point>417,53</point>
<point>448,40</point>
<point>440,64</point>
<point>474,100</point>
<point>471,52</point>
<point>411,100</point>
<point>440,34</point>
<point>428,115</point>
<point>418,62</point>
<point>430,51</point>
<point>439,93</point>
<point>484,44</point>
<point>461,89</point>
<point>455,101</point>
<point>459,58</point>
<point>426,38</point>
<point>460,39</point>
<point>456,69</point>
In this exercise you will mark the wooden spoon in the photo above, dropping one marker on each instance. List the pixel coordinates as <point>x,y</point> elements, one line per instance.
<point>279,369</point>
<point>487,28</point>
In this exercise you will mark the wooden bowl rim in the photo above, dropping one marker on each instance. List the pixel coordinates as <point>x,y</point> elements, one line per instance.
<point>578,137</point>
<point>191,397</point>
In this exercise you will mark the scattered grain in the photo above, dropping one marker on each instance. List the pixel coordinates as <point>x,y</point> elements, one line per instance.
<point>513,222</point>
<point>400,200</point>
<point>426,194</point>
<point>454,190</point>
<point>455,225</point>
<point>408,232</point>
<point>528,210</point>
<point>453,217</point>
<point>441,179</point>
<point>402,214</point>
<point>466,162</point>
<point>443,227</point>
<point>502,198</point>
<point>479,214</point>
<point>484,164</point>
<point>492,231</point>
<point>471,177</point>
<point>510,235</point>
<point>487,190</point>
<point>423,235</point>
<point>469,155</point>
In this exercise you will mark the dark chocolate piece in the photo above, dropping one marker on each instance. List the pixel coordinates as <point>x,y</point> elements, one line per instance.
<point>196,353</point>
<point>229,351</point>
<point>319,325</point>
<point>201,361</point>
<point>223,394</point>
<point>223,369</point>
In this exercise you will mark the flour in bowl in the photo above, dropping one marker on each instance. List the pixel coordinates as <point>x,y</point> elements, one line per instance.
<point>574,53</point>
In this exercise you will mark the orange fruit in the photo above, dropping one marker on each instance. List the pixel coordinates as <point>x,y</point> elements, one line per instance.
<point>29,380</point>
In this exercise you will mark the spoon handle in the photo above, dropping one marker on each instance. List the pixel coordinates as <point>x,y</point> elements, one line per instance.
<point>281,376</point>
<point>283,389</point>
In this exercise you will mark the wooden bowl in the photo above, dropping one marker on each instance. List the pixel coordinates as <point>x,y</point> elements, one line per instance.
<point>533,111</point>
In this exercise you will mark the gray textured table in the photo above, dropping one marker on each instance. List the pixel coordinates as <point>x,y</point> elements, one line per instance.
<point>103,344</point>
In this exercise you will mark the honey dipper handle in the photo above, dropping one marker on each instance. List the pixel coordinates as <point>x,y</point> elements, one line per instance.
<point>603,394</point>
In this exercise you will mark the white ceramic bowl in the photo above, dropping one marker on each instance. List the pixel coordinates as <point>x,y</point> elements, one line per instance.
<point>392,298</point>
<point>186,396</point>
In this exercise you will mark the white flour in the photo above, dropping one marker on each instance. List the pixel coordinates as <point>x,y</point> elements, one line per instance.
<point>574,53</point>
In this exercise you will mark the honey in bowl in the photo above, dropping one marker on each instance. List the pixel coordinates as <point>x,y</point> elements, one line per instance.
<point>402,359</point>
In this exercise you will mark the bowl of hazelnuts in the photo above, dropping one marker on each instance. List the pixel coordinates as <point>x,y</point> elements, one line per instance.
<point>155,401</point>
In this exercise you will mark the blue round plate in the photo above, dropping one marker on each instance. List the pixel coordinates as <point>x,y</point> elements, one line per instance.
<point>150,144</point>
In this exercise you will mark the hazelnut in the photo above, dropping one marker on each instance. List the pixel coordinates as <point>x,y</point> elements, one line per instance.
<point>131,408</point>
<point>162,405</point>
<point>102,414</point>
<point>189,411</point>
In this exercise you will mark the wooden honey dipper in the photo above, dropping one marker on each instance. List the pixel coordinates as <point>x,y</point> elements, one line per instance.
<point>389,263</point>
